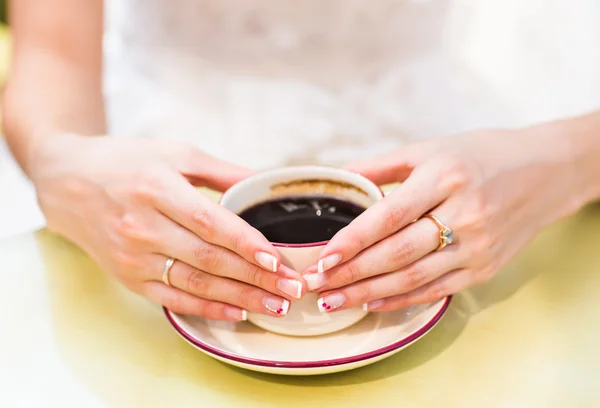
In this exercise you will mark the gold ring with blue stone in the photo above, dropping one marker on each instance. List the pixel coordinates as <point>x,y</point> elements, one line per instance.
<point>446,233</point>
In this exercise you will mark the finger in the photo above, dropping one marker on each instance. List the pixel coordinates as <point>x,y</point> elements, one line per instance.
<point>203,169</point>
<point>183,303</point>
<point>448,284</point>
<point>186,246</point>
<point>388,168</point>
<point>395,283</point>
<point>210,287</point>
<point>409,201</point>
<point>403,248</point>
<point>215,224</point>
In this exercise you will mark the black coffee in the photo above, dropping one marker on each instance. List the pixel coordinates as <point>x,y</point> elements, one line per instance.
<point>301,219</point>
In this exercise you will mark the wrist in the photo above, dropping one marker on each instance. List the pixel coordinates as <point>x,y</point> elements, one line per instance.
<point>560,185</point>
<point>49,149</point>
<point>583,134</point>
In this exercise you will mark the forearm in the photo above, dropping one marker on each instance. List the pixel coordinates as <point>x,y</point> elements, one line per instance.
<point>584,133</point>
<point>55,84</point>
<point>568,153</point>
<point>40,104</point>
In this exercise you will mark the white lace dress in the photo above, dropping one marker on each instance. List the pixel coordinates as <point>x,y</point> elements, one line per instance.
<point>271,83</point>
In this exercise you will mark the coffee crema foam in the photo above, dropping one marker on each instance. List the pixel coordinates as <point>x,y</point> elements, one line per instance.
<point>324,187</point>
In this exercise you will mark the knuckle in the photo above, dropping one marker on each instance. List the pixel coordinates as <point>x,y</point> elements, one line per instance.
<point>454,173</point>
<point>130,227</point>
<point>402,251</point>
<point>414,277</point>
<point>485,244</point>
<point>455,164</point>
<point>351,273</point>
<point>475,218</point>
<point>356,241</point>
<point>255,276</point>
<point>239,241</point>
<point>351,237</point>
<point>478,203</point>
<point>213,310</point>
<point>245,298</point>
<point>483,275</point>
<point>473,222</point>
<point>203,222</point>
<point>124,259</point>
<point>436,292</point>
<point>144,192</point>
<point>126,225</point>
<point>148,185</point>
<point>394,218</point>
<point>198,283</point>
<point>206,256</point>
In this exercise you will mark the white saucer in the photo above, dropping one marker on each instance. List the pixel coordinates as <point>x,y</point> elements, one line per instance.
<point>377,336</point>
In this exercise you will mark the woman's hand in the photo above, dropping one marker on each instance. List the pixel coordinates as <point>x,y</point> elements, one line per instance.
<point>495,189</point>
<point>132,204</point>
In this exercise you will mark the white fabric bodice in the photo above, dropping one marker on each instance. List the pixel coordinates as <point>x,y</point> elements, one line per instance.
<point>269,83</point>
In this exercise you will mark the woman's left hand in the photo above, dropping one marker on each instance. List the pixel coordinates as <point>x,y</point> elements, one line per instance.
<point>496,190</point>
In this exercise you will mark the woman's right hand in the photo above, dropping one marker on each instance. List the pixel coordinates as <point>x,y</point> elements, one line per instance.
<point>132,203</point>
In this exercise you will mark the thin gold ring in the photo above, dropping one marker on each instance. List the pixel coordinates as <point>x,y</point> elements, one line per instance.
<point>166,270</point>
<point>446,233</point>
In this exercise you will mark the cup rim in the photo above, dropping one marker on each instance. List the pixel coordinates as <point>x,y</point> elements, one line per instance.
<point>313,167</point>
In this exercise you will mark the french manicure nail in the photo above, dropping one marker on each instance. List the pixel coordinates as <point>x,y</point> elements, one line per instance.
<point>267,261</point>
<point>238,315</point>
<point>277,306</point>
<point>290,287</point>
<point>376,304</point>
<point>328,262</point>
<point>315,281</point>
<point>331,302</point>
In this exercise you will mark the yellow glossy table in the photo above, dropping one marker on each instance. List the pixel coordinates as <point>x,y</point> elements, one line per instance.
<point>70,336</point>
<point>5,57</point>
<point>5,51</point>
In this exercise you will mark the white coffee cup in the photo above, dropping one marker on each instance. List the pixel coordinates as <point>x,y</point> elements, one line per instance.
<point>304,317</point>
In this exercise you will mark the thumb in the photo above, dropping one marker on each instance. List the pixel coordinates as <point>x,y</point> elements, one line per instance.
<point>205,170</point>
<point>387,168</point>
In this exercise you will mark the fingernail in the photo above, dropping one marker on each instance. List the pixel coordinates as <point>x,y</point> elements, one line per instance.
<point>290,287</point>
<point>376,304</point>
<point>315,281</point>
<point>235,314</point>
<point>331,302</point>
<point>267,261</point>
<point>328,262</point>
<point>277,306</point>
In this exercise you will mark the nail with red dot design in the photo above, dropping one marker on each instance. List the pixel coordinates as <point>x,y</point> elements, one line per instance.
<point>331,302</point>
<point>277,306</point>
